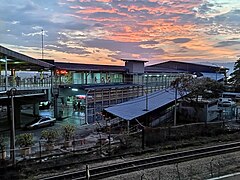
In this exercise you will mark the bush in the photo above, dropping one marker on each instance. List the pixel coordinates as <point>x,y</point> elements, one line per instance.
<point>49,135</point>
<point>2,144</point>
<point>68,132</point>
<point>24,140</point>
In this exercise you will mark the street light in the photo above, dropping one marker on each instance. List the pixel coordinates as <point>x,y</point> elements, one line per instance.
<point>12,93</point>
<point>175,106</point>
<point>86,105</point>
<point>146,92</point>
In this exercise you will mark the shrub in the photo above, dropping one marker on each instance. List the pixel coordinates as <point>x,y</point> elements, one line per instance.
<point>2,144</point>
<point>49,135</point>
<point>24,140</point>
<point>68,132</point>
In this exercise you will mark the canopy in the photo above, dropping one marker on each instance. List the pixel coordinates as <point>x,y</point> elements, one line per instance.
<point>137,107</point>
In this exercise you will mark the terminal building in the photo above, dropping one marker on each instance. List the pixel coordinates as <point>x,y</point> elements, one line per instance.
<point>83,90</point>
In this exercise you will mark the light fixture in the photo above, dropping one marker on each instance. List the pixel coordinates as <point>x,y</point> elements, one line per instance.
<point>74,89</point>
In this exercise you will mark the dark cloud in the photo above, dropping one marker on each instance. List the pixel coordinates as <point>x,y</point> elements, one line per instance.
<point>105,15</point>
<point>150,42</point>
<point>181,40</point>
<point>227,43</point>
<point>183,50</point>
<point>130,47</point>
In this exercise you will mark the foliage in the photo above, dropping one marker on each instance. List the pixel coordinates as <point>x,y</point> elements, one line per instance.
<point>24,140</point>
<point>235,75</point>
<point>205,87</point>
<point>68,131</point>
<point>197,87</point>
<point>2,143</point>
<point>50,135</point>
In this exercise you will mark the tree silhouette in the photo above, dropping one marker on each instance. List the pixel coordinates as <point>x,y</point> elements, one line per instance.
<point>197,87</point>
<point>235,76</point>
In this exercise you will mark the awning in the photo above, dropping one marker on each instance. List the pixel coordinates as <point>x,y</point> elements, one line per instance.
<point>9,54</point>
<point>137,107</point>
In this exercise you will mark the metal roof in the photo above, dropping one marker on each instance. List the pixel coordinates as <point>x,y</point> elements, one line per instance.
<point>108,68</point>
<point>134,60</point>
<point>213,76</point>
<point>137,107</point>
<point>88,67</point>
<point>149,69</point>
<point>10,54</point>
<point>190,67</point>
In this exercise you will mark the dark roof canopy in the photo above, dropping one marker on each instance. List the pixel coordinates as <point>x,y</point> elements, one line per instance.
<point>134,60</point>
<point>137,107</point>
<point>89,67</point>
<point>190,67</point>
<point>20,61</point>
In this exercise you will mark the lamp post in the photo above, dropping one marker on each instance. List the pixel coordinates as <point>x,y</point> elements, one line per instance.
<point>42,42</point>
<point>165,81</point>
<point>146,92</point>
<point>175,106</point>
<point>86,106</point>
<point>6,76</point>
<point>12,93</point>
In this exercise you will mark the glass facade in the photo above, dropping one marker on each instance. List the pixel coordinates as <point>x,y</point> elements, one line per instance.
<point>96,78</point>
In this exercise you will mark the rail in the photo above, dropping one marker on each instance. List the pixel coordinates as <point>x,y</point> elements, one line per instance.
<point>144,163</point>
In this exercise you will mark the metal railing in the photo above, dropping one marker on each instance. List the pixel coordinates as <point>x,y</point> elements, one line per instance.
<point>24,83</point>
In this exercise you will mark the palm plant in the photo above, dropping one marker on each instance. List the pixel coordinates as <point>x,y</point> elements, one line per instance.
<point>24,140</point>
<point>68,132</point>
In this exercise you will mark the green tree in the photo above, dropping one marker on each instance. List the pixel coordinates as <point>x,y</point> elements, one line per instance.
<point>235,75</point>
<point>204,87</point>
<point>197,87</point>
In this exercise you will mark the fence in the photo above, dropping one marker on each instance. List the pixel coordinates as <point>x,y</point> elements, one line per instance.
<point>161,134</point>
<point>42,149</point>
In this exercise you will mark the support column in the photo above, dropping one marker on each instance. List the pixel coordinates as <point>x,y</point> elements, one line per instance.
<point>55,104</point>
<point>128,125</point>
<point>17,114</point>
<point>6,77</point>
<point>36,109</point>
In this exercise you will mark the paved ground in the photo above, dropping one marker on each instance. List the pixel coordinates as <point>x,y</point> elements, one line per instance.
<point>82,130</point>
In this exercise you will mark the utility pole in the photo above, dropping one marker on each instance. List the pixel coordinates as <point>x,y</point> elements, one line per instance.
<point>12,93</point>
<point>86,106</point>
<point>146,100</point>
<point>146,92</point>
<point>42,43</point>
<point>175,105</point>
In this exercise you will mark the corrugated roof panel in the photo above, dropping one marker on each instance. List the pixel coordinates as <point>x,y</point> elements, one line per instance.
<point>137,107</point>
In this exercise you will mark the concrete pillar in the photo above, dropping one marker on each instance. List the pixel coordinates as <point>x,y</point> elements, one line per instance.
<point>17,114</point>
<point>6,76</point>
<point>49,94</point>
<point>36,109</point>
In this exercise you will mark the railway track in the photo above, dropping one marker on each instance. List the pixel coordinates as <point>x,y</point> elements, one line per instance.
<point>145,163</point>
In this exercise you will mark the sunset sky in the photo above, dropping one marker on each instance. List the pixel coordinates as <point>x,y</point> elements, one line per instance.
<point>105,31</point>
